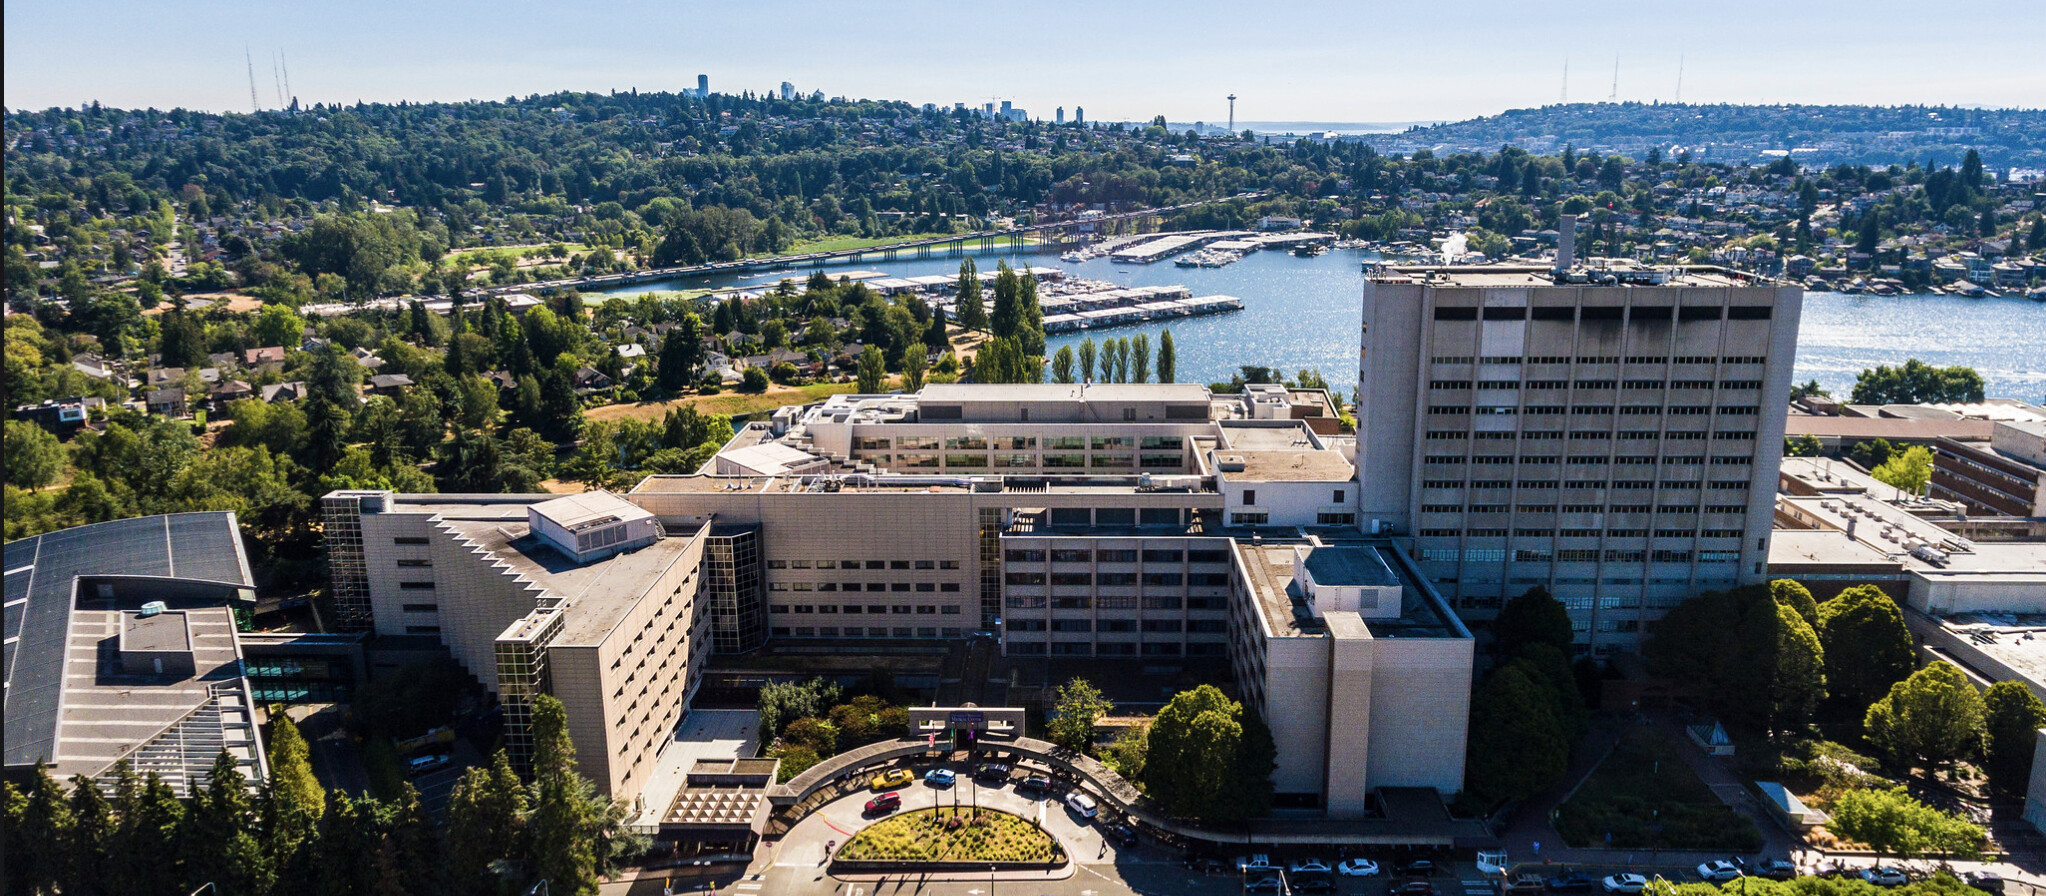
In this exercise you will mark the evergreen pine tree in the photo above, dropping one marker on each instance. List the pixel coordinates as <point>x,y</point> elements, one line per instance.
<point>972,313</point>
<point>1168,359</point>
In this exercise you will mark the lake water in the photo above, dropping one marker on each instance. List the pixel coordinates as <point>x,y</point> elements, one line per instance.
<point>1303,313</point>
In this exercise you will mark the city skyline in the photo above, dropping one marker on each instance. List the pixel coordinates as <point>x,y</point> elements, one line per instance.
<point>1365,64</point>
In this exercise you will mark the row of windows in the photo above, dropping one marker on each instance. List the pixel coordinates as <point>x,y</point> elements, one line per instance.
<point>1114,555</point>
<point>1556,410</point>
<point>1113,648</point>
<point>1115,579</point>
<point>1575,555</point>
<point>1462,385</point>
<point>1638,314</point>
<point>1014,443</point>
<point>873,631</point>
<point>1025,461</point>
<point>1715,485</point>
<point>1429,553</point>
<point>869,609</point>
<point>920,587</point>
<point>1114,602</point>
<point>1601,359</point>
<point>1735,460</point>
<point>863,564</point>
<point>1633,435</point>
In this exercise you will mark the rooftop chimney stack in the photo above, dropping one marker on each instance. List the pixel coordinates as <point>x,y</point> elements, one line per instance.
<point>1566,242</point>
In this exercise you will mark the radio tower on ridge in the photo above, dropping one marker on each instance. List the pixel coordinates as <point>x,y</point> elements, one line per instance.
<point>255,104</point>
<point>1564,98</point>
<point>1232,113</point>
<point>1616,81</point>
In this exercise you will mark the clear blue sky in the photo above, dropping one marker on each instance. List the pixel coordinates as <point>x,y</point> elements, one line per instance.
<point>1357,60</point>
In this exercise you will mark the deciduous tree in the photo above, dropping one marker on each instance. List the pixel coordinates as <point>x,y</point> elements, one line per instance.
<point>2013,716</point>
<point>1866,645</point>
<point>1893,824</point>
<point>1932,718</point>
<point>1077,707</point>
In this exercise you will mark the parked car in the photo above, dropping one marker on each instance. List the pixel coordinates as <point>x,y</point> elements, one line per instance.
<point>1418,868</point>
<point>1255,862</point>
<point>1205,864</point>
<point>1718,871</point>
<point>1034,784</point>
<point>1357,868</point>
<point>1081,804</point>
<point>1774,869</point>
<point>1885,876</point>
<point>885,803</point>
<point>1570,882</point>
<point>1624,883</point>
<point>1265,882</point>
<point>940,777</point>
<point>1313,882</point>
<point>1986,881</point>
<point>992,771</point>
<point>894,777</point>
<point>1527,882</point>
<point>1123,835</point>
<point>1415,888</point>
<point>419,765</point>
<point>1310,864</point>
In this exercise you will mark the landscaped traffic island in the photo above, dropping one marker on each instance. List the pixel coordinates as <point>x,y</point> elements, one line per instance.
<point>949,835</point>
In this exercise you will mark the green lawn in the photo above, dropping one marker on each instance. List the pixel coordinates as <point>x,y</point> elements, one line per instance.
<point>1644,797</point>
<point>953,835</point>
<point>841,243</point>
<point>737,404</point>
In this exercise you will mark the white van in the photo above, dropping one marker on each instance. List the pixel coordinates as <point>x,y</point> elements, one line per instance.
<point>1081,803</point>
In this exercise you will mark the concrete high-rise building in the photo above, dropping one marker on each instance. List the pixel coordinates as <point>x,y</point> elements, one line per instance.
<point>703,85</point>
<point>788,91</point>
<point>1609,432</point>
<point>585,597</point>
<point>1061,115</point>
<point>1079,115</point>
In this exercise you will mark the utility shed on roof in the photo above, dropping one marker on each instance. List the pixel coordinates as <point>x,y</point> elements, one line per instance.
<point>592,525</point>
<point>768,459</point>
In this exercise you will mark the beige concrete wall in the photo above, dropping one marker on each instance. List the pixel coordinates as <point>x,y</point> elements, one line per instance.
<point>1420,707</point>
<point>1352,716</point>
<point>625,692</point>
<point>1295,689</point>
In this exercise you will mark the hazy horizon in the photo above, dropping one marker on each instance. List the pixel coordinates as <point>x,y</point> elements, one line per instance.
<point>1288,63</point>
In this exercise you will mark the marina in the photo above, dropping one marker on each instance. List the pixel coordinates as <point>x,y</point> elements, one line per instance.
<point>1303,313</point>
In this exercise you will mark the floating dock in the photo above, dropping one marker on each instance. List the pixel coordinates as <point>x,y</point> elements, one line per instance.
<point>1096,318</point>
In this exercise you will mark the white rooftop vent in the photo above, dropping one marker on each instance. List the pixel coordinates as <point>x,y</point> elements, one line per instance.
<point>152,608</point>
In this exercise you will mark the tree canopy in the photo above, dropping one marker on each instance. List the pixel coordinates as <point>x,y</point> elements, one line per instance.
<point>1208,757</point>
<point>1916,382</point>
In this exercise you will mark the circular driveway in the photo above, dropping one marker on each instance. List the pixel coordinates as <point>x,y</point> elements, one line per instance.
<point>843,817</point>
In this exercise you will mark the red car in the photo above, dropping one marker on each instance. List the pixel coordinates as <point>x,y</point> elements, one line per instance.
<point>885,803</point>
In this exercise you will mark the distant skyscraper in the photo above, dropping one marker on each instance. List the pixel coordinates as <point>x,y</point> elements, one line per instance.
<point>788,91</point>
<point>1005,108</point>
<point>1079,115</point>
<point>703,85</point>
<point>1061,115</point>
<point>988,109</point>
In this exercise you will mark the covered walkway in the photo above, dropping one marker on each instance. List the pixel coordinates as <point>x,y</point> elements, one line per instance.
<point>1408,821</point>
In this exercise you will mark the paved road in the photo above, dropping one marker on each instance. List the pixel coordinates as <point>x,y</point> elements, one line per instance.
<point>795,865</point>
